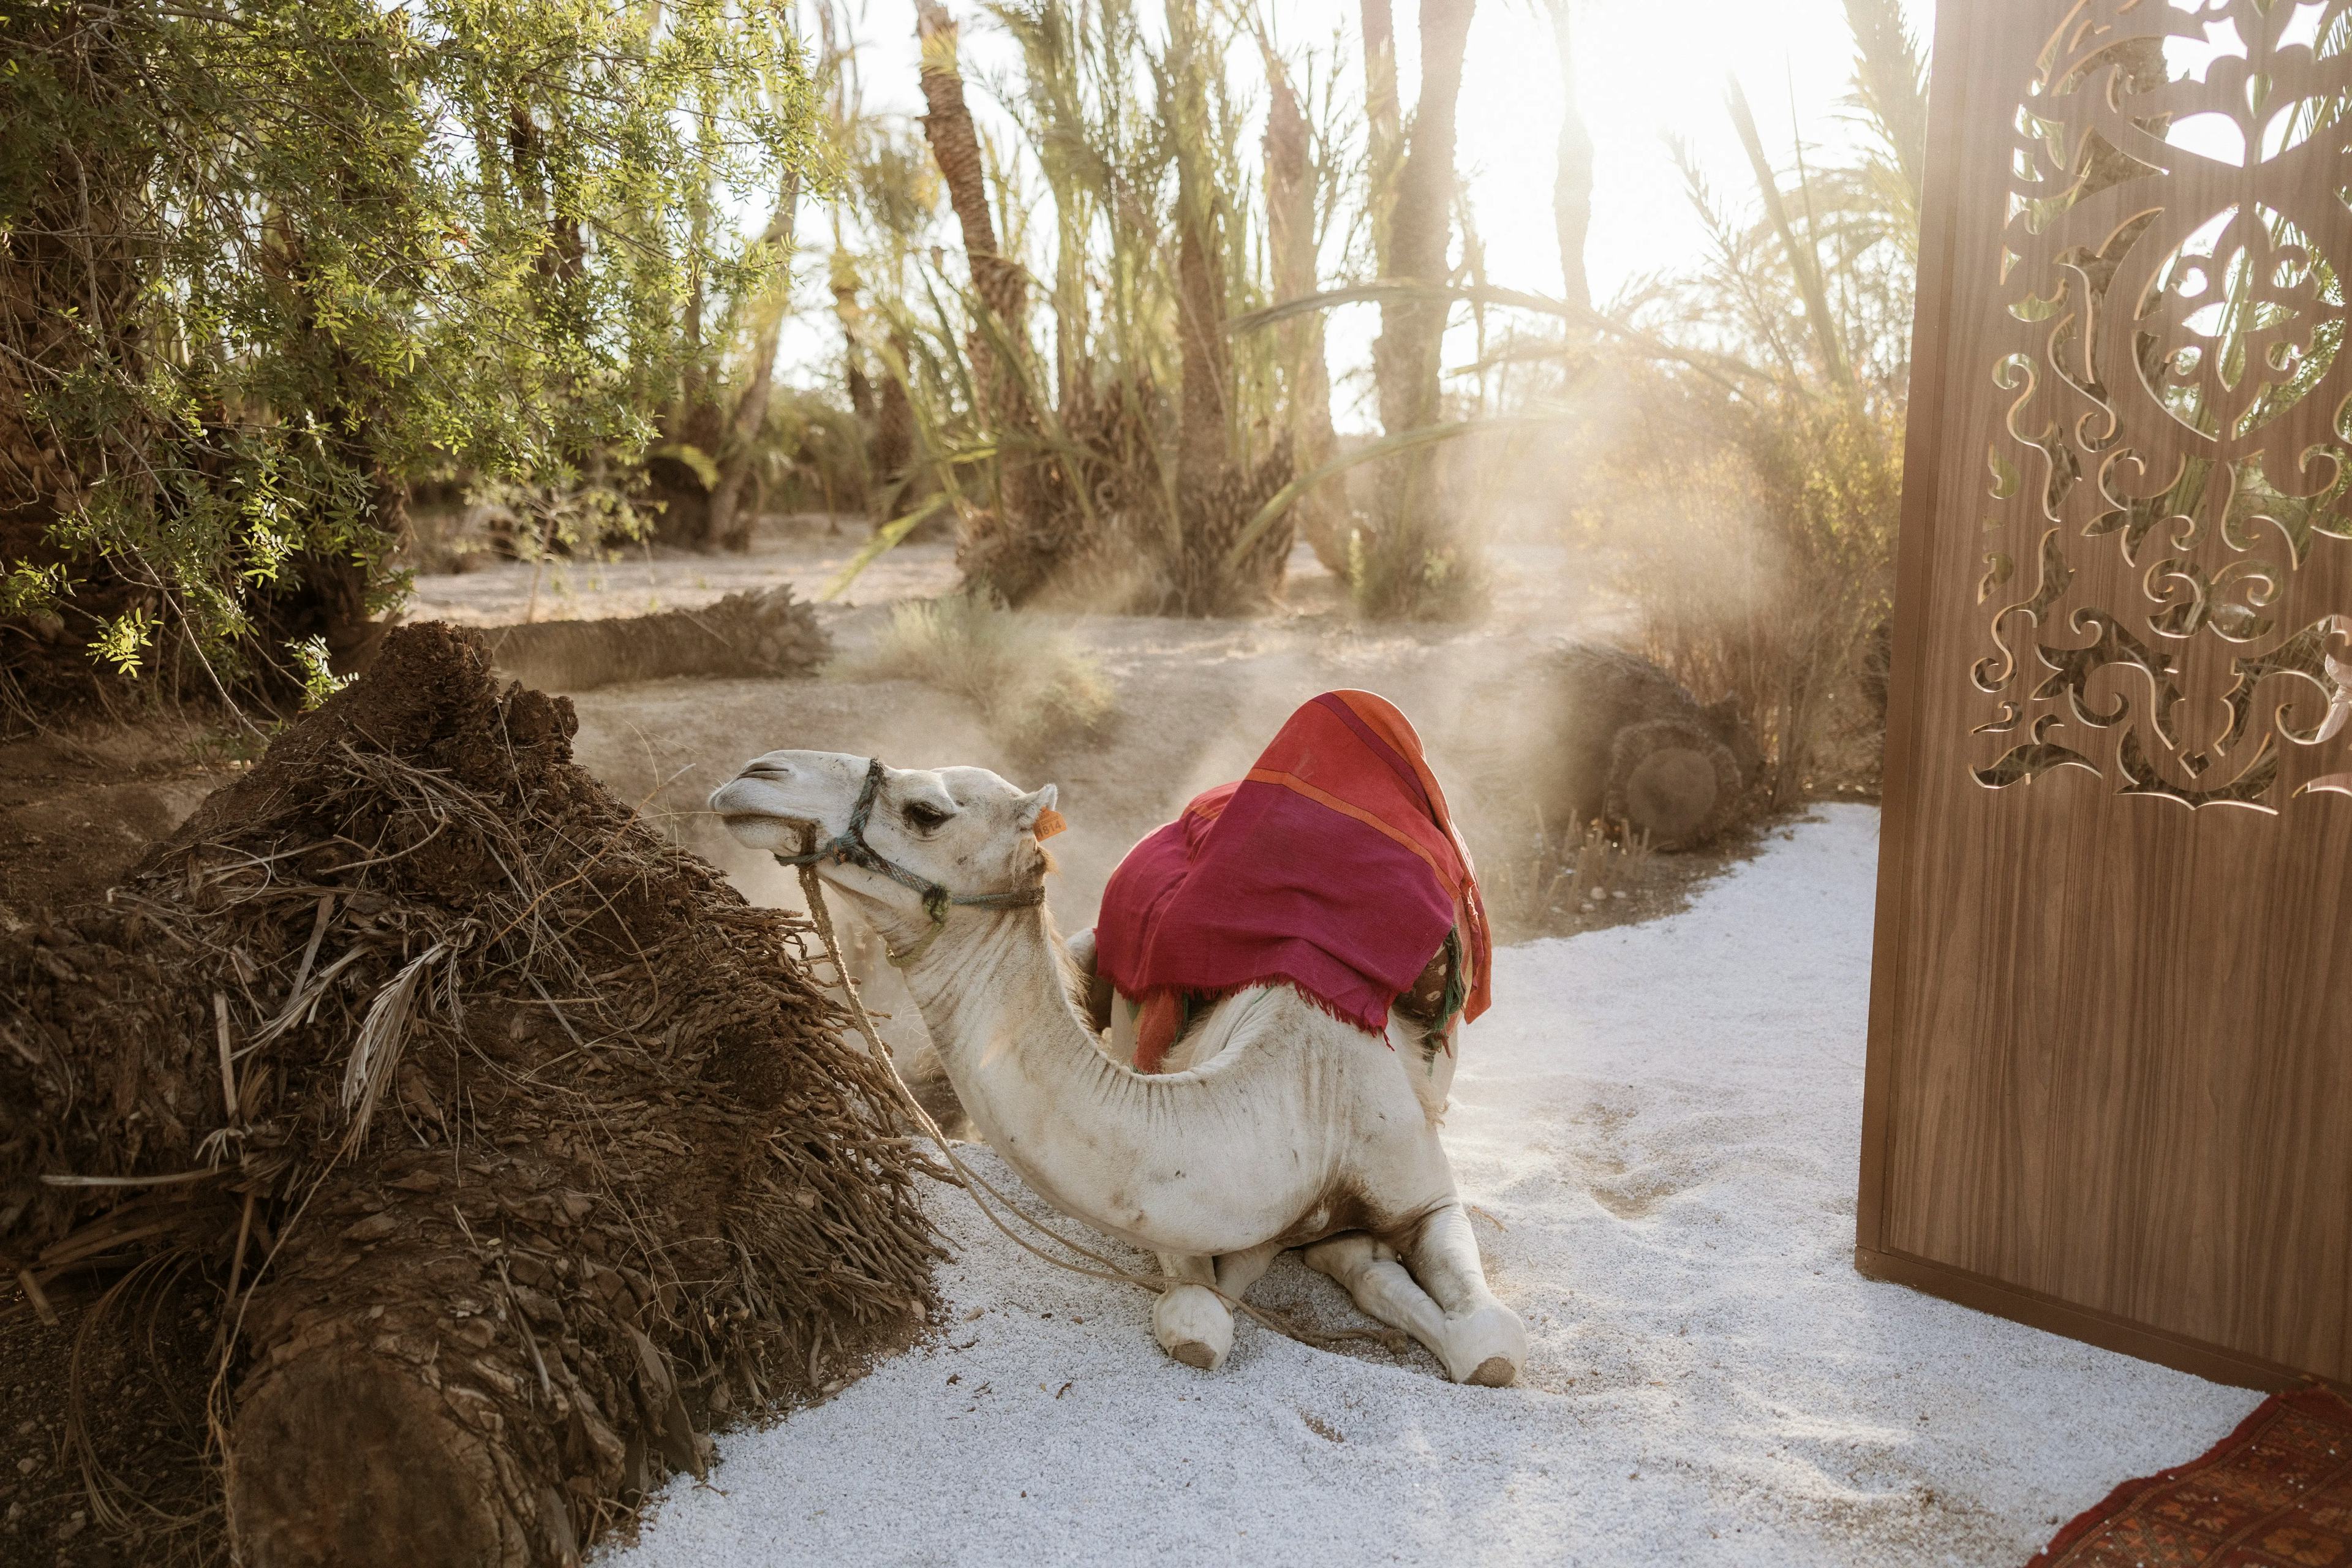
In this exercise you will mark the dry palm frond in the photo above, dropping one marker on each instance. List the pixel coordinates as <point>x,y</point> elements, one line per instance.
<point>381,1036</point>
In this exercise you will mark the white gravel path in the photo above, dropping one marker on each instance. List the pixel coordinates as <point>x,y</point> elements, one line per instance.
<point>1664,1120</point>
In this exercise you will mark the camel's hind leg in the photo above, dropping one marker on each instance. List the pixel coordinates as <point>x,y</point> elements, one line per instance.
<point>1486,1341</point>
<point>1189,1319</point>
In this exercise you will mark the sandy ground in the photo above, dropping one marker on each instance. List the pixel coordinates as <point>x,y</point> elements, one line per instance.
<point>1662,1122</point>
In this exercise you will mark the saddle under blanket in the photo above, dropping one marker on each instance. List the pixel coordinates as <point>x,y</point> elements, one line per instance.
<point>1333,866</point>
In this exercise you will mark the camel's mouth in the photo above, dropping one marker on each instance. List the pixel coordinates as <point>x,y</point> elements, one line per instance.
<point>784,802</point>
<point>751,811</point>
<point>736,820</point>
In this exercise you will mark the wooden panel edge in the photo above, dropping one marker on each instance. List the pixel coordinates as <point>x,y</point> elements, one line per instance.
<point>1947,107</point>
<point>2216,1363</point>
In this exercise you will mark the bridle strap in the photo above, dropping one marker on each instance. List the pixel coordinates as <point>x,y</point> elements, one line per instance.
<point>849,847</point>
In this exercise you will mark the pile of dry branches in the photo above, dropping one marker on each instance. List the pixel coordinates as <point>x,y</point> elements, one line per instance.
<point>505,1145</point>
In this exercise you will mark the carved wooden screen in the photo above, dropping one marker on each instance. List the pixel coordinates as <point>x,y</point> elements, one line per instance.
<point>2110,1085</point>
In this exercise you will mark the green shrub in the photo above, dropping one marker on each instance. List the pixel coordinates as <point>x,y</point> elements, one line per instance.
<point>268,264</point>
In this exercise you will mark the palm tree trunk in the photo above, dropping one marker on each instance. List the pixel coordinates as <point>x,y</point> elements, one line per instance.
<point>843,283</point>
<point>1216,490</point>
<point>1201,452</point>
<point>1290,228</point>
<point>742,442</point>
<point>1383,112</point>
<point>892,455</point>
<point>1571,191</point>
<point>1414,566</point>
<point>1070,305</point>
<point>1006,552</point>
<point>1405,355</point>
<point>1202,439</point>
<point>1001,286</point>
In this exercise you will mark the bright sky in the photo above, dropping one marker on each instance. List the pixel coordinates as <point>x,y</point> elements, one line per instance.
<point>1645,69</point>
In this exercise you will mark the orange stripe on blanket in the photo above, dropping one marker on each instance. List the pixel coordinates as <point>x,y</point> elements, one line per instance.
<point>1325,797</point>
<point>1390,724</point>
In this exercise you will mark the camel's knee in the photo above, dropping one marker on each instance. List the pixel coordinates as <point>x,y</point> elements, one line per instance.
<point>1192,1325</point>
<point>1445,1258</point>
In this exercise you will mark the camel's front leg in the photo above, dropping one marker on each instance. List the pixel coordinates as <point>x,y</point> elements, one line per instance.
<point>1367,1269</point>
<point>1238,1271</point>
<point>1486,1343</point>
<point>1189,1319</point>
<point>1474,1336</point>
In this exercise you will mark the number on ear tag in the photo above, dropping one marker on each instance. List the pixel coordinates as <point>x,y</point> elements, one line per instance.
<point>1049,822</point>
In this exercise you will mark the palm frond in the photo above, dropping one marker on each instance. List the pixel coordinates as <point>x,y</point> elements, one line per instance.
<point>1890,97</point>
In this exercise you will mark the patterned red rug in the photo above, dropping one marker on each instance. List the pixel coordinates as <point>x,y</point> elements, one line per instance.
<point>2276,1493</point>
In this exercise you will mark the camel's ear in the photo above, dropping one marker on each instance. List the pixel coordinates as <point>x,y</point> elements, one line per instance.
<point>1036,814</point>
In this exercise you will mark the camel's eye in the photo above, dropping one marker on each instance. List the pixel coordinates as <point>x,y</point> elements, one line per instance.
<point>923,816</point>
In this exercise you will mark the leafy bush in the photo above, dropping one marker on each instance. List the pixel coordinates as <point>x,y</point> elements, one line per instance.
<point>265,264</point>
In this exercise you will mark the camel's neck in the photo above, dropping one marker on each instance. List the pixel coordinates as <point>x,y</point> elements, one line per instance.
<point>1146,1157</point>
<point>988,967</point>
<point>993,994</point>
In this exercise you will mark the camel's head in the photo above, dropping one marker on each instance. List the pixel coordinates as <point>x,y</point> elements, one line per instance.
<point>963,829</point>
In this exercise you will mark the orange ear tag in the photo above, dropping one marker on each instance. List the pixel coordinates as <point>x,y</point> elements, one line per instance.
<point>1049,822</point>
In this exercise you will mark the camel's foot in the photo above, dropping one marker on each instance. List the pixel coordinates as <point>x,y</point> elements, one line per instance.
<point>1193,1326</point>
<point>1486,1347</point>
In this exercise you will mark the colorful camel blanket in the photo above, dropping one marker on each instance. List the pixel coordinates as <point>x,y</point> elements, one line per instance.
<point>1333,866</point>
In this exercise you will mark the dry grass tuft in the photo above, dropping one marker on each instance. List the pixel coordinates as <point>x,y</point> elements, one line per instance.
<point>1030,681</point>
<point>1556,878</point>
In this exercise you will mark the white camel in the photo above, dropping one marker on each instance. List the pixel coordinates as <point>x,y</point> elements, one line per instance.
<point>1277,1125</point>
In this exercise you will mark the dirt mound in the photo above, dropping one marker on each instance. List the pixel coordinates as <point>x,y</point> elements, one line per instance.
<point>752,636</point>
<point>502,1144</point>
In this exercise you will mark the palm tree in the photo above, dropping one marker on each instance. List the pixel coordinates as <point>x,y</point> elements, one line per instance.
<point>1414,563</point>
